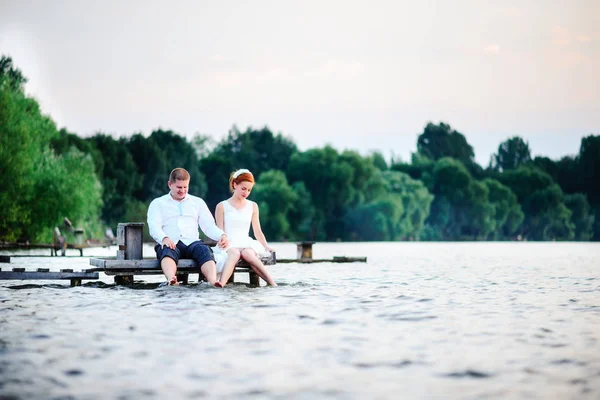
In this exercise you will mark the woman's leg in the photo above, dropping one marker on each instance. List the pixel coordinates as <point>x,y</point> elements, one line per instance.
<point>233,256</point>
<point>257,266</point>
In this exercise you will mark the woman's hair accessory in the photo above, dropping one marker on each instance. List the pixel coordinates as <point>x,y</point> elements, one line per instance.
<point>239,172</point>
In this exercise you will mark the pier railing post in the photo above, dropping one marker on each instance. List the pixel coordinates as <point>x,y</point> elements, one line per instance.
<point>305,250</point>
<point>130,241</point>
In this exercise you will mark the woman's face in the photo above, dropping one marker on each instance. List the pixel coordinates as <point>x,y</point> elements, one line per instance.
<point>242,189</point>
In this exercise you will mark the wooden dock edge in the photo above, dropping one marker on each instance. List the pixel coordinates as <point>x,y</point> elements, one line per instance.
<point>46,274</point>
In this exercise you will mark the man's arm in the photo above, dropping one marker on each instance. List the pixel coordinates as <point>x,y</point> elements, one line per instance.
<point>206,222</point>
<point>155,222</point>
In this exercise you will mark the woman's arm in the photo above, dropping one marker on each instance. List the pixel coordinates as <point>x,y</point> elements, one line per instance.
<point>220,216</point>
<point>258,233</point>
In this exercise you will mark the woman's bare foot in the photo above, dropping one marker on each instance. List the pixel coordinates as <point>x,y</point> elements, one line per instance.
<point>219,284</point>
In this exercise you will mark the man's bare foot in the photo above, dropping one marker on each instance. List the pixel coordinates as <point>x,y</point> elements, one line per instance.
<point>219,284</point>
<point>173,281</point>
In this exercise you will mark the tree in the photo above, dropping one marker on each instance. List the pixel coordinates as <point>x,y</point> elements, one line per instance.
<point>512,153</point>
<point>507,211</point>
<point>438,141</point>
<point>329,181</point>
<point>256,150</point>
<point>379,161</point>
<point>24,133</point>
<point>375,220</point>
<point>367,180</point>
<point>10,75</point>
<point>302,214</point>
<point>566,172</point>
<point>39,186</point>
<point>275,198</point>
<point>416,202</point>
<point>581,216</point>
<point>151,163</point>
<point>460,208</point>
<point>176,152</point>
<point>120,178</point>
<point>542,201</point>
<point>589,159</point>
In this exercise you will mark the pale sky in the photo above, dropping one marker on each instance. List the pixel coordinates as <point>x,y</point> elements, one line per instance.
<point>360,75</point>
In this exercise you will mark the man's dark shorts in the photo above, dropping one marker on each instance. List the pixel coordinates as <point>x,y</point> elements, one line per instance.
<point>197,250</point>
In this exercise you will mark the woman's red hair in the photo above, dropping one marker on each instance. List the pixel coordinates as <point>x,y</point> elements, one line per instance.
<point>243,177</point>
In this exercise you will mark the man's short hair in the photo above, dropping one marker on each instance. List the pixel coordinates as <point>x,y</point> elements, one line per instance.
<point>179,174</point>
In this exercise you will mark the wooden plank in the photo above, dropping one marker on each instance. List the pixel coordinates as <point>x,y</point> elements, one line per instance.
<point>134,237</point>
<point>28,246</point>
<point>11,275</point>
<point>97,262</point>
<point>322,260</point>
<point>157,271</point>
<point>149,263</point>
<point>129,239</point>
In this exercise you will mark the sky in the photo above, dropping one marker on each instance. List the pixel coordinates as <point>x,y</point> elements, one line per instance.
<point>359,75</point>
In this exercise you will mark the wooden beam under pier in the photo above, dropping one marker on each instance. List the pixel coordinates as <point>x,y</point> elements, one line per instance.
<point>46,274</point>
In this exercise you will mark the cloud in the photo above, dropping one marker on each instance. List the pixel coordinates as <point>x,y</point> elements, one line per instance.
<point>583,38</point>
<point>342,69</point>
<point>560,36</point>
<point>492,49</point>
<point>563,37</point>
<point>513,12</point>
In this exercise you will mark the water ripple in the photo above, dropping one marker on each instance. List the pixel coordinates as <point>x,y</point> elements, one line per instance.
<point>419,320</point>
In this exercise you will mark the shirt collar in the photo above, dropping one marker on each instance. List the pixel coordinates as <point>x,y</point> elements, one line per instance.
<point>186,197</point>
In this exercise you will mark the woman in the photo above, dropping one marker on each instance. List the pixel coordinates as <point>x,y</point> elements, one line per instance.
<point>234,216</point>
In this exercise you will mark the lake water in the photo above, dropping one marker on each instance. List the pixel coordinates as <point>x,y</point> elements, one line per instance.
<point>417,321</point>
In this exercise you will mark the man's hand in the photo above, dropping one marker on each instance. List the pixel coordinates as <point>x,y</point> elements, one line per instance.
<point>223,242</point>
<point>168,242</point>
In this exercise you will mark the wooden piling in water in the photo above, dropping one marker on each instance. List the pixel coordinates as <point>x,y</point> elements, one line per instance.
<point>130,241</point>
<point>304,250</point>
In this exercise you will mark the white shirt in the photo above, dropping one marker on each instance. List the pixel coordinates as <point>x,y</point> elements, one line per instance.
<point>179,220</point>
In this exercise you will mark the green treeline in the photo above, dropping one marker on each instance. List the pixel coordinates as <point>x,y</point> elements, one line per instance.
<point>319,194</point>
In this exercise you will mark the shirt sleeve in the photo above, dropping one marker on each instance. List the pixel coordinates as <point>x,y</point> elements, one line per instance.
<point>206,221</point>
<point>155,222</point>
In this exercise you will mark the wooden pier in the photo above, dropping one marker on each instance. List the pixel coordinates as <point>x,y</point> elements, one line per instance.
<point>130,260</point>
<point>59,244</point>
<point>46,274</point>
<point>304,256</point>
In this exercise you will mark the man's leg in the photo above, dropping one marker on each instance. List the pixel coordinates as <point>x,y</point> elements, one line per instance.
<point>209,270</point>
<point>203,255</point>
<point>169,268</point>
<point>168,261</point>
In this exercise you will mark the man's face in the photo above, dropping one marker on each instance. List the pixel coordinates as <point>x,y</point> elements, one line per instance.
<point>179,189</point>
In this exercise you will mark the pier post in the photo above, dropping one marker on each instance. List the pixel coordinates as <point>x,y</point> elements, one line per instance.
<point>305,250</point>
<point>78,232</point>
<point>130,241</point>
<point>58,243</point>
<point>254,278</point>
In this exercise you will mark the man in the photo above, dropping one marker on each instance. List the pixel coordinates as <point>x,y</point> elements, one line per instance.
<point>173,220</point>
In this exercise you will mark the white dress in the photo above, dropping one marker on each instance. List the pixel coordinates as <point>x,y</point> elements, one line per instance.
<point>237,227</point>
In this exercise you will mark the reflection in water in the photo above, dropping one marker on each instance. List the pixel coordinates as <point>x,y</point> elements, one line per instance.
<point>419,320</point>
